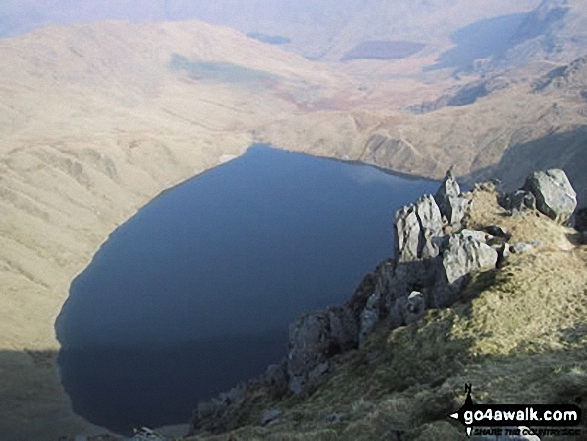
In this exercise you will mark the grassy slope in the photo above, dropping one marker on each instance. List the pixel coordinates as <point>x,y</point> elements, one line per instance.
<point>518,335</point>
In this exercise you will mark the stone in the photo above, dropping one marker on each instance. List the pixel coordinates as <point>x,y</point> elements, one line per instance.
<point>503,253</point>
<point>270,416</point>
<point>555,197</point>
<point>415,307</point>
<point>522,247</point>
<point>462,255</point>
<point>452,206</point>
<point>416,227</point>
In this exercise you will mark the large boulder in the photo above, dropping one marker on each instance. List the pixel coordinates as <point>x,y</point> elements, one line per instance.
<point>555,197</point>
<point>463,253</point>
<point>448,197</point>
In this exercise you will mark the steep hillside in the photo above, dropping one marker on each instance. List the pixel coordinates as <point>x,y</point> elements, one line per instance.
<point>96,120</point>
<point>485,128</point>
<point>515,330</point>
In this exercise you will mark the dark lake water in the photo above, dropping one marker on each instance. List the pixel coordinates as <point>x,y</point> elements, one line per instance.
<point>196,291</point>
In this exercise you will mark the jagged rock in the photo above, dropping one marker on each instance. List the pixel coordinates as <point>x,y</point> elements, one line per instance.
<point>369,302</point>
<point>407,230</point>
<point>555,197</point>
<point>415,227</point>
<point>452,206</point>
<point>314,338</point>
<point>270,416</point>
<point>430,220</point>
<point>463,254</point>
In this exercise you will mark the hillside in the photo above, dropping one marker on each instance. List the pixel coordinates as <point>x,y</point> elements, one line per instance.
<point>516,332</point>
<point>97,119</point>
<point>95,123</point>
<point>499,127</point>
<point>327,29</point>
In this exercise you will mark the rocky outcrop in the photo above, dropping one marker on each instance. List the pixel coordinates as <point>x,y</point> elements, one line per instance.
<point>435,258</point>
<point>452,205</point>
<point>555,197</point>
<point>464,252</point>
<point>314,339</point>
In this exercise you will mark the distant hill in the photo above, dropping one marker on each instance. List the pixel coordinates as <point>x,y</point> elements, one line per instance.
<point>326,29</point>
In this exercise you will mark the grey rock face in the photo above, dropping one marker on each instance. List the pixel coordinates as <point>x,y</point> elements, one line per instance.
<point>452,206</point>
<point>463,254</point>
<point>313,339</point>
<point>555,197</point>
<point>407,230</point>
<point>416,227</point>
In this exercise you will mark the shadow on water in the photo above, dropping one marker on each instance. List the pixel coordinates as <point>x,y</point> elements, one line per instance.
<point>160,384</point>
<point>225,261</point>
